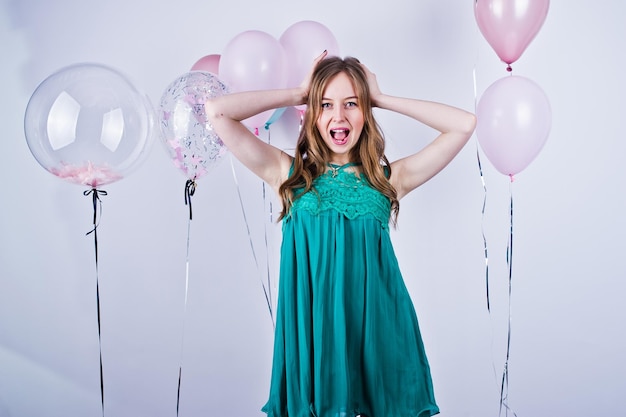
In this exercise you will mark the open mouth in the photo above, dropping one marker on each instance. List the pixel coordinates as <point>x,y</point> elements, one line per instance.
<point>340,136</point>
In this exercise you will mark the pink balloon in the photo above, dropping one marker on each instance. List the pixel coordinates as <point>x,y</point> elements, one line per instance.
<point>513,123</point>
<point>254,60</point>
<point>209,63</point>
<point>303,42</point>
<point>510,25</point>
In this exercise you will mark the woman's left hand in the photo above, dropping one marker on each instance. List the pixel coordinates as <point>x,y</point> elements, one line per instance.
<point>375,92</point>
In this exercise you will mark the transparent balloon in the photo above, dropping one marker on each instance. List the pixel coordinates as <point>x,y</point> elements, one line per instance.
<point>88,124</point>
<point>190,140</point>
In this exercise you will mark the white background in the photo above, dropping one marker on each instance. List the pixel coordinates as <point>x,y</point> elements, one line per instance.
<point>567,312</point>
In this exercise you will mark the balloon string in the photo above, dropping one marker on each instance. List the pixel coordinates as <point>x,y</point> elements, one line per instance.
<point>243,211</point>
<point>97,204</point>
<point>504,387</point>
<point>482,179</point>
<point>482,227</point>
<point>482,230</point>
<point>275,116</point>
<point>268,203</point>
<point>190,189</point>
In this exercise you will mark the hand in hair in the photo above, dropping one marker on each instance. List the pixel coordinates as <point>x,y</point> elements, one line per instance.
<point>305,85</point>
<point>372,82</point>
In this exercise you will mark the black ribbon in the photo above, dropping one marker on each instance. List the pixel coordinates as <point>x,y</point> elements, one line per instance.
<point>504,383</point>
<point>190,189</point>
<point>504,386</point>
<point>97,204</point>
<point>482,178</point>
<point>180,370</point>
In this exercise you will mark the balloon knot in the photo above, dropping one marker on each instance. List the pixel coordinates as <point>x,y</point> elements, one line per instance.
<point>512,177</point>
<point>509,68</point>
<point>190,190</point>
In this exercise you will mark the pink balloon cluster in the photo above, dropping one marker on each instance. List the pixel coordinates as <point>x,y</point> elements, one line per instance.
<point>255,60</point>
<point>513,115</point>
<point>252,60</point>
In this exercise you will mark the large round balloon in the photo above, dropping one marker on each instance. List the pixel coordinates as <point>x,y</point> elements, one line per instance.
<point>189,138</point>
<point>513,123</point>
<point>254,60</point>
<point>88,124</point>
<point>303,42</point>
<point>510,25</point>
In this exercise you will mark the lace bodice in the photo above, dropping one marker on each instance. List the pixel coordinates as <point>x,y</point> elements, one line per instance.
<point>346,192</point>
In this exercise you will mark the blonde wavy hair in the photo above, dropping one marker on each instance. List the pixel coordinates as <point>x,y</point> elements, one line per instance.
<point>312,154</point>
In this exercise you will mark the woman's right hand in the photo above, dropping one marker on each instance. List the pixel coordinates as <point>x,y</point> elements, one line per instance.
<point>305,85</point>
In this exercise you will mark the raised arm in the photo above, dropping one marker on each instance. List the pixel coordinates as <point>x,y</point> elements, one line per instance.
<point>455,126</point>
<point>226,113</point>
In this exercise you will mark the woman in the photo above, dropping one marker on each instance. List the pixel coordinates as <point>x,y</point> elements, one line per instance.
<point>347,339</point>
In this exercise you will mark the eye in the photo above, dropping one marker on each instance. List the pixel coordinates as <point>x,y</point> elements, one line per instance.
<point>326,106</point>
<point>351,104</point>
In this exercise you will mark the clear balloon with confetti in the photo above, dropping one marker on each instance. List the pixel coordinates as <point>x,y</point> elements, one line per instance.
<point>189,139</point>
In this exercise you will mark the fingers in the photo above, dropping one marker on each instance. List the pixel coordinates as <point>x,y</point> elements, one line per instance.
<point>372,82</point>
<point>315,62</point>
<point>321,56</point>
<point>306,82</point>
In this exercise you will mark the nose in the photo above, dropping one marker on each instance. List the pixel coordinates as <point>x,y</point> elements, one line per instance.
<point>338,113</point>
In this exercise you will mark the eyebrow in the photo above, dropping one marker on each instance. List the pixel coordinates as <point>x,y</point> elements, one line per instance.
<point>347,98</point>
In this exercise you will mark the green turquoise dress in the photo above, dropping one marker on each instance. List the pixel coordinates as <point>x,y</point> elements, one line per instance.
<point>347,339</point>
